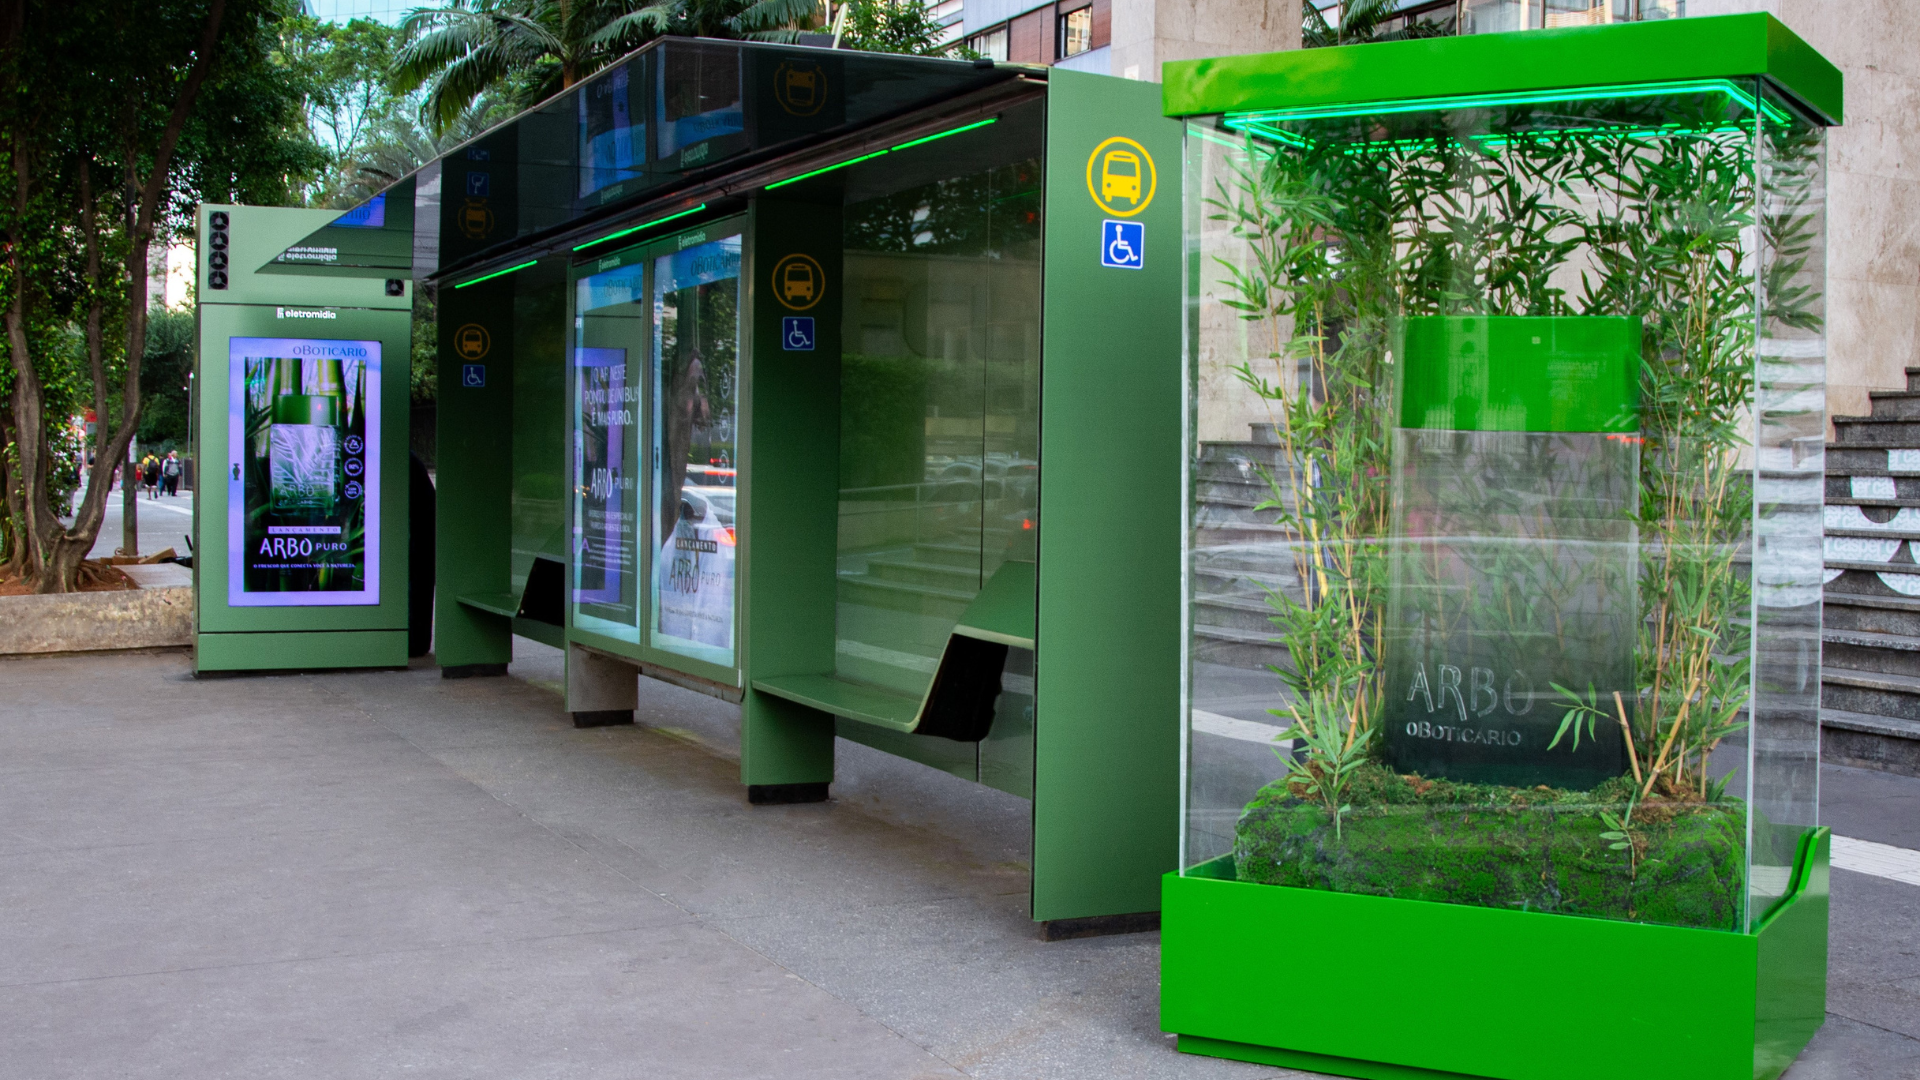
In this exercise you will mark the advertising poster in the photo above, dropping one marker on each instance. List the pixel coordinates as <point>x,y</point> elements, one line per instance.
<point>303,472</point>
<point>604,526</point>
<point>696,333</point>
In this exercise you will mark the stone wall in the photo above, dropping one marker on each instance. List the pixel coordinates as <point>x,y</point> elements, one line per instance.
<point>96,621</point>
<point>1148,33</point>
<point>1873,192</point>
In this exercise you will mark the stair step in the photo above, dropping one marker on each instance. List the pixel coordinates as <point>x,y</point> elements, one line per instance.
<point>1885,603</point>
<point>1877,534</point>
<point>1889,726</point>
<point>1871,639</point>
<point>1873,567</point>
<point>1869,741</point>
<point>1872,680</point>
<point>938,575</point>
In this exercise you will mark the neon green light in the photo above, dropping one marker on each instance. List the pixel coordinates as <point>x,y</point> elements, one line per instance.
<point>637,228</point>
<point>1528,97</point>
<point>879,153</point>
<point>944,134</point>
<point>496,273</point>
<point>828,169</point>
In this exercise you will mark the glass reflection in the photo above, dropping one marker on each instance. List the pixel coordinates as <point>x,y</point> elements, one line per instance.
<point>696,302</point>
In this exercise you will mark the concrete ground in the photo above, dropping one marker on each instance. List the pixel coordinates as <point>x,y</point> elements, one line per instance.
<point>370,875</point>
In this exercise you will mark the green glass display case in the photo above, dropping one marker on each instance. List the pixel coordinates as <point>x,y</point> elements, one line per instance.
<point>1504,450</point>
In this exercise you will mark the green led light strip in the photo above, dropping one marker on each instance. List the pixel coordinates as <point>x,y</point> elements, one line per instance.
<point>879,153</point>
<point>1529,97</point>
<point>496,273</point>
<point>944,134</point>
<point>637,228</point>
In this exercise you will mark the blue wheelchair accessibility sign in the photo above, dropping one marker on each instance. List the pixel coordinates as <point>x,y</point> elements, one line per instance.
<point>796,333</point>
<point>474,375</point>
<point>1123,244</point>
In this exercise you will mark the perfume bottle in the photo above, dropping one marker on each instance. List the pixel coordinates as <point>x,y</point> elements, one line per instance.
<point>303,455</point>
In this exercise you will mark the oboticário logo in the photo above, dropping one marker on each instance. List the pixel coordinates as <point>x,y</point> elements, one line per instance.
<point>304,313</point>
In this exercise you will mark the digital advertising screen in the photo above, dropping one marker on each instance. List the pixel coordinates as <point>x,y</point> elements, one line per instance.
<point>612,145</point>
<point>303,472</point>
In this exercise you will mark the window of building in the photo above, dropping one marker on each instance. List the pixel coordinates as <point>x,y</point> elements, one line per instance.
<point>992,44</point>
<point>1076,31</point>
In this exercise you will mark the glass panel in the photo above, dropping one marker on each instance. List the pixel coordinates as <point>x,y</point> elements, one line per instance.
<point>939,391</point>
<point>613,131</point>
<point>610,340</point>
<point>1503,523</point>
<point>1498,16</point>
<point>695,375</point>
<point>1076,31</point>
<point>539,395</point>
<point>1789,477</point>
<point>697,101</point>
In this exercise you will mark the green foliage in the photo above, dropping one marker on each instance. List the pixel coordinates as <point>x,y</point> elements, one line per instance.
<point>1527,849</point>
<point>164,377</point>
<point>525,51</point>
<point>1336,227</point>
<point>1362,21</point>
<point>896,26</point>
<point>116,119</point>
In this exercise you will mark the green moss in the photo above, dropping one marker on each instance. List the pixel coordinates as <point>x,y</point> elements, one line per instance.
<point>1530,849</point>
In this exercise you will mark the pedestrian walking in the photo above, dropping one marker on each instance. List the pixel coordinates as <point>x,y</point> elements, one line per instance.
<point>170,471</point>
<point>150,476</point>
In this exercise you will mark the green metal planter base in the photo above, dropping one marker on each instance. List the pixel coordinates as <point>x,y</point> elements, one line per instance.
<point>1386,989</point>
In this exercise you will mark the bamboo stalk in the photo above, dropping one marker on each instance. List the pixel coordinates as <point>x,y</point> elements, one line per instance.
<point>1627,731</point>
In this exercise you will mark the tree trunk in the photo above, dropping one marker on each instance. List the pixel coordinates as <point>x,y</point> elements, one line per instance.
<point>54,552</point>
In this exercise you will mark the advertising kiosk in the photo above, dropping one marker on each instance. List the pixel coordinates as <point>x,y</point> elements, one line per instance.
<point>842,385</point>
<point>1506,425</point>
<point>300,525</point>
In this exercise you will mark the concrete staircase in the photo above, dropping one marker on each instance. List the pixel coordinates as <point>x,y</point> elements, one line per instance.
<point>1870,635</point>
<point>1239,555</point>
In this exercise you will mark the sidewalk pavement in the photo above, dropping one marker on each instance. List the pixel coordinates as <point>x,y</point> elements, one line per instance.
<point>364,875</point>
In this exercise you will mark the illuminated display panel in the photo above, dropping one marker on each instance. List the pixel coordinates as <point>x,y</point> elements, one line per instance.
<point>303,472</point>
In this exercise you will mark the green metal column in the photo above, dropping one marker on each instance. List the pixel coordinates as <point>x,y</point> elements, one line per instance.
<point>1107,753</point>
<point>790,509</point>
<point>475,462</point>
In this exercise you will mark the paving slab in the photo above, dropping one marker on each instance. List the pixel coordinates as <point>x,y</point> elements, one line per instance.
<point>370,874</point>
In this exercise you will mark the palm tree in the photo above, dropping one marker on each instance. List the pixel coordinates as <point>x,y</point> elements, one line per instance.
<point>533,49</point>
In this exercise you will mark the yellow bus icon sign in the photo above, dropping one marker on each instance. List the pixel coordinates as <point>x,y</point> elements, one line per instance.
<point>1121,177</point>
<point>798,282</point>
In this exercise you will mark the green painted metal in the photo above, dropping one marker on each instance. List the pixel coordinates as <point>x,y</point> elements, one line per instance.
<point>1791,1003</point>
<point>1519,373</point>
<point>505,605</point>
<point>1004,609</point>
<point>854,701</point>
<point>474,484</point>
<point>1484,1005</point>
<point>1317,1063</point>
<point>954,758</point>
<point>291,306</point>
<point>1726,46</point>
<point>300,650</point>
<point>789,494</point>
<point>1107,739</point>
